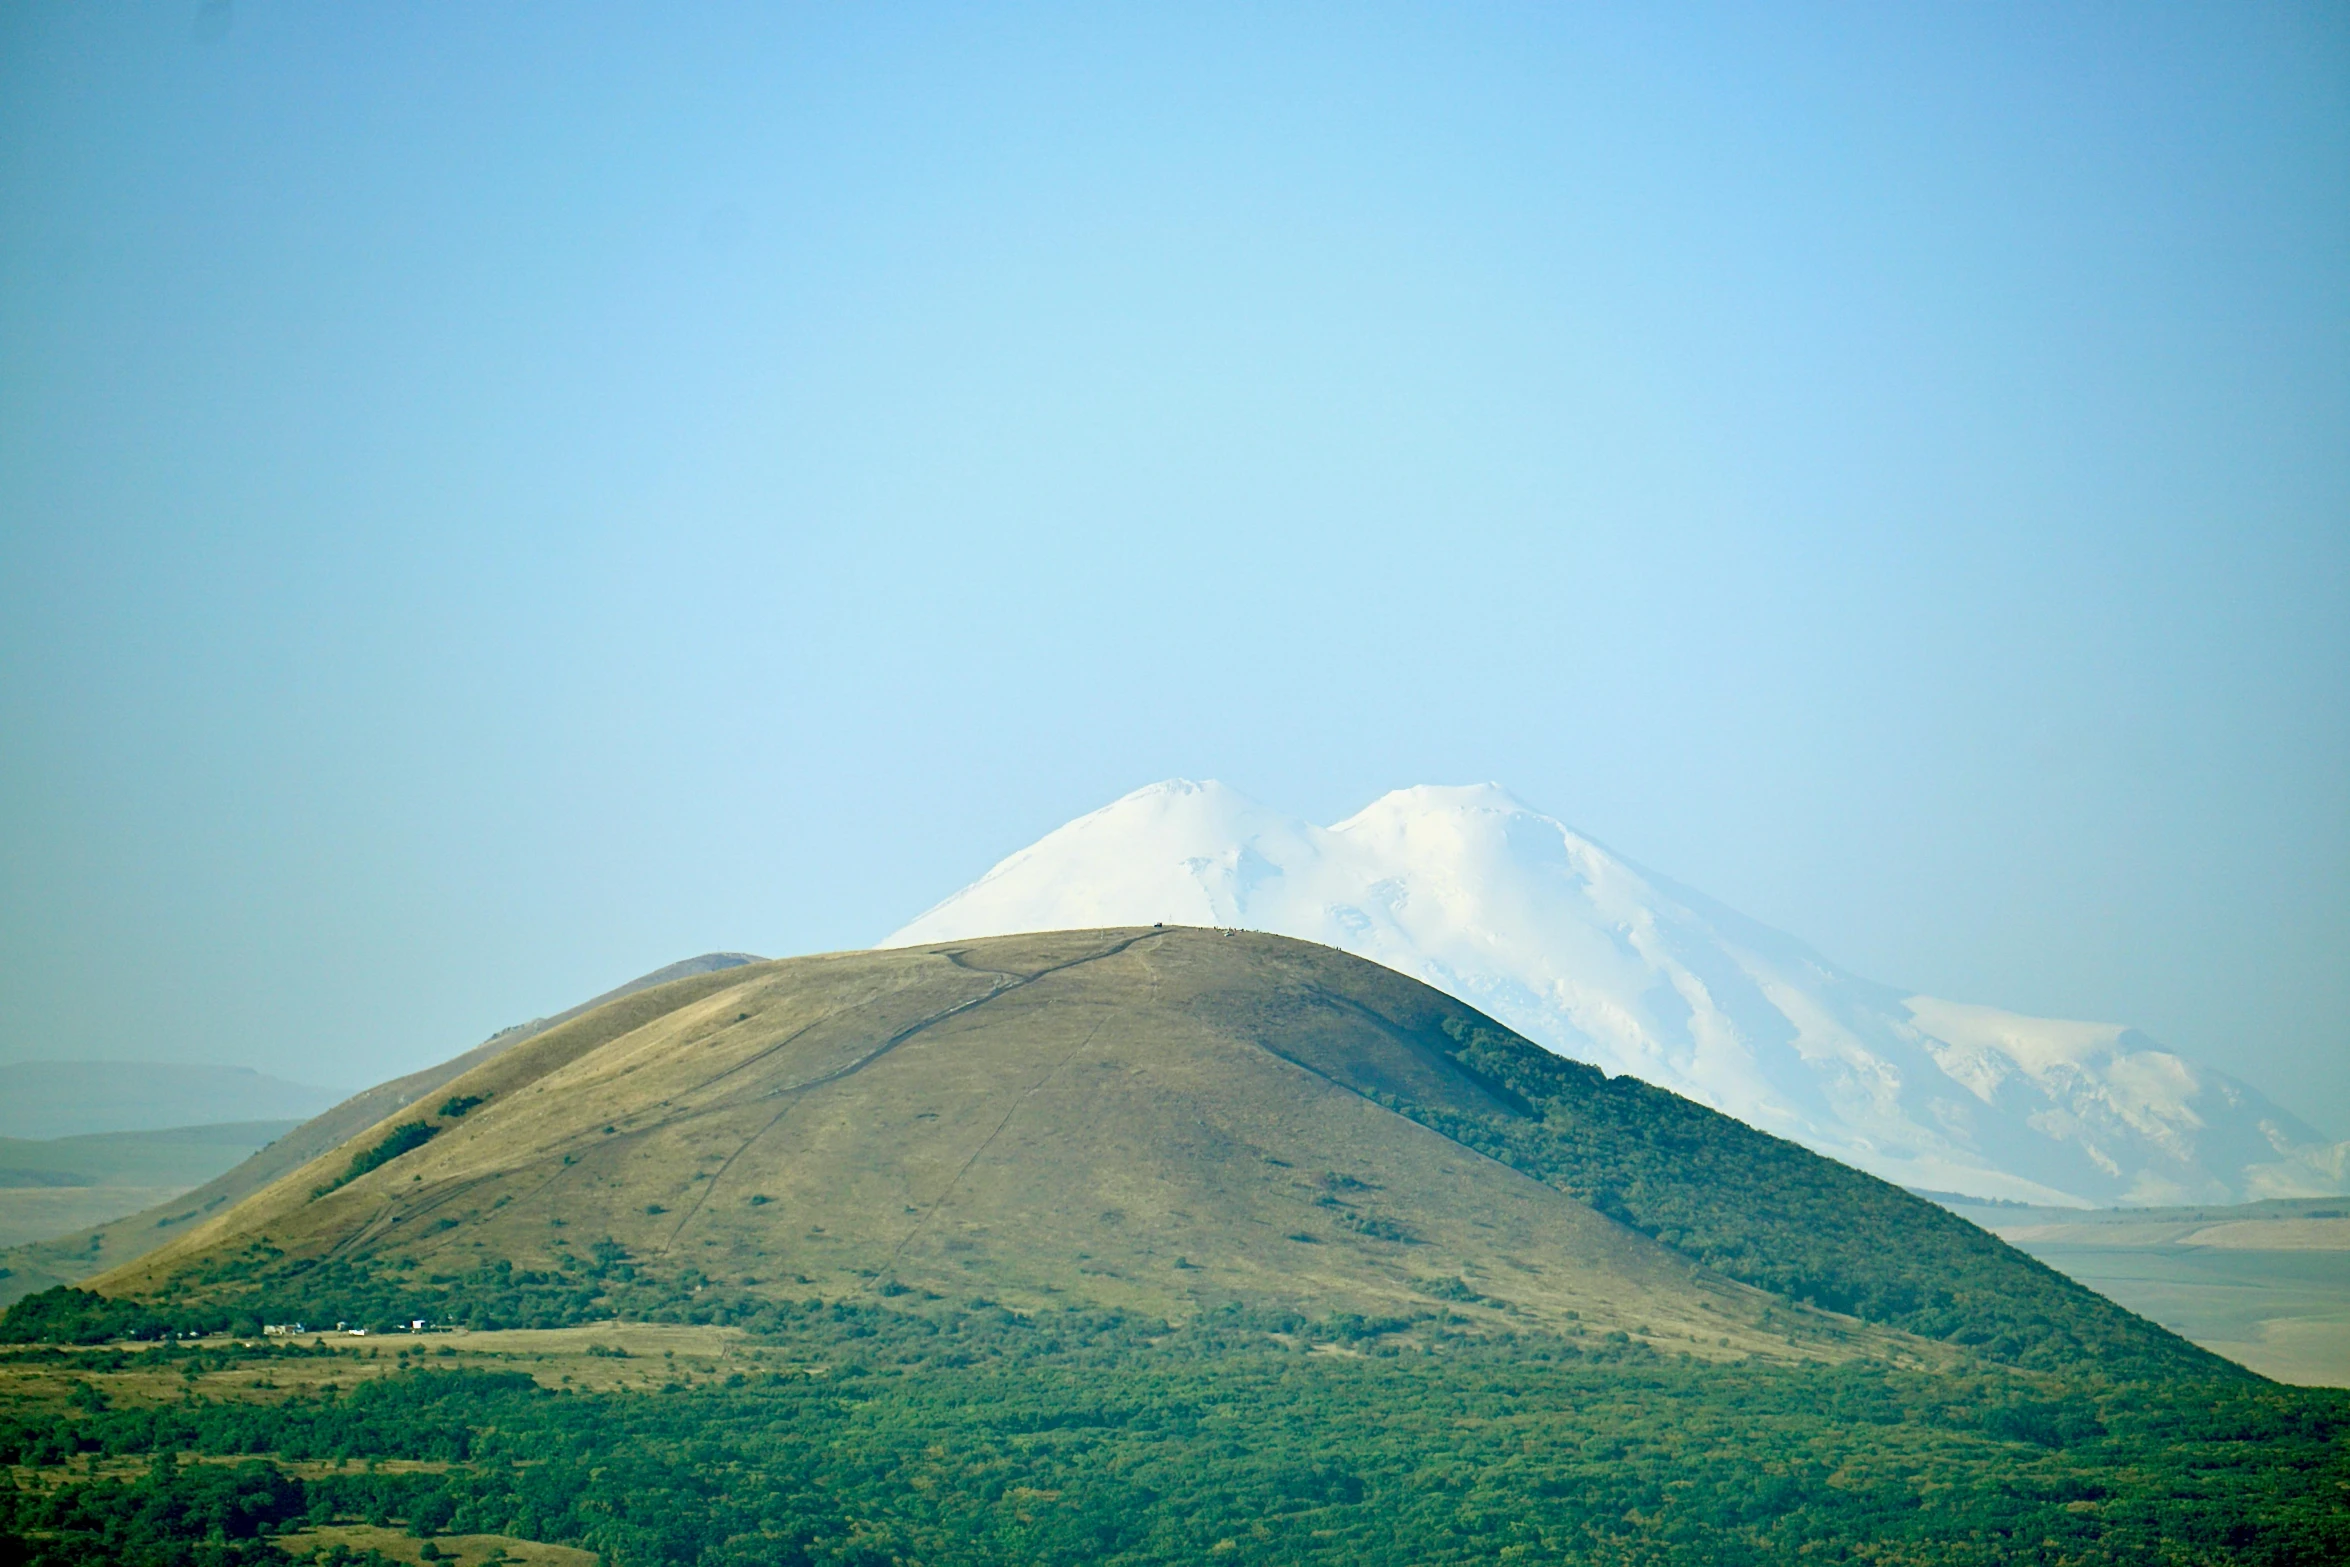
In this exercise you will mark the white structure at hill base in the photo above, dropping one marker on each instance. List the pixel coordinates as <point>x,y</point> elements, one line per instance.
<point>1481,896</point>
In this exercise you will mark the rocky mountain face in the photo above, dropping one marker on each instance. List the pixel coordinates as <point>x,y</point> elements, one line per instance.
<point>1476,893</point>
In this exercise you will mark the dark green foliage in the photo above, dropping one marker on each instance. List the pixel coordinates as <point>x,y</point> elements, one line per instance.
<point>399,1140</point>
<point>976,1435</point>
<point>458,1105</point>
<point>200,1515</point>
<point>65,1315</point>
<point>1778,1216</point>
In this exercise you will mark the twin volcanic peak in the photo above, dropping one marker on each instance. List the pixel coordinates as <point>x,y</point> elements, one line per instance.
<point>1162,1120</point>
<point>1576,948</point>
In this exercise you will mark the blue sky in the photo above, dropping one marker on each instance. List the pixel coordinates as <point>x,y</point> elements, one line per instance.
<point>495,499</point>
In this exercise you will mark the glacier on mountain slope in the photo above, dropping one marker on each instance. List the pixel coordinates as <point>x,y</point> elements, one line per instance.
<point>1481,896</point>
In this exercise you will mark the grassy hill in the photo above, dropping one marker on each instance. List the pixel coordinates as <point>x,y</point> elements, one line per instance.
<point>1162,1121</point>
<point>1136,1246</point>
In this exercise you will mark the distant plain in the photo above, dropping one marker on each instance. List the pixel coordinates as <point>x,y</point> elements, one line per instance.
<point>54,1186</point>
<point>2266,1284</point>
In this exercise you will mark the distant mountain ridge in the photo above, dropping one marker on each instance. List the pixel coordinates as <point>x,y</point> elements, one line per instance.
<point>43,1099</point>
<point>1475,892</point>
<point>180,1156</point>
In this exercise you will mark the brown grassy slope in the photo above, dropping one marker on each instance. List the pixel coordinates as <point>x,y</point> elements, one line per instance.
<point>1160,1119</point>
<point>68,1259</point>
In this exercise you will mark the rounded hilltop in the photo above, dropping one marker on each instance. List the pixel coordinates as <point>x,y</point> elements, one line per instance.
<point>1161,1119</point>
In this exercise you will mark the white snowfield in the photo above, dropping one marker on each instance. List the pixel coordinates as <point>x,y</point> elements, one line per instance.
<point>1483,897</point>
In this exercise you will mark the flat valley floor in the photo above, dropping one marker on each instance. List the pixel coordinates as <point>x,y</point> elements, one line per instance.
<point>2265,1284</point>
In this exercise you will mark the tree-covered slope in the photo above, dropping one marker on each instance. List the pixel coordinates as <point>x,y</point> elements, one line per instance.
<point>1775,1215</point>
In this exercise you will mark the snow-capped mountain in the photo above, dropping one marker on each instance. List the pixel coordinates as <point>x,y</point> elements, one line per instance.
<point>1480,895</point>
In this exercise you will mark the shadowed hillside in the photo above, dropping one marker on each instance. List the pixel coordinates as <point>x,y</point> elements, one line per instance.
<point>1164,1120</point>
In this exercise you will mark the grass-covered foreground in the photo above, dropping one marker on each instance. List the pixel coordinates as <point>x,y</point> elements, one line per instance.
<point>872,1434</point>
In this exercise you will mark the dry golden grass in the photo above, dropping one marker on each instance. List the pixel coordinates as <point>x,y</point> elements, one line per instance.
<point>1159,1120</point>
<point>456,1550</point>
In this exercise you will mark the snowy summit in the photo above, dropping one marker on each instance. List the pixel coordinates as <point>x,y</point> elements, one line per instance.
<point>1477,893</point>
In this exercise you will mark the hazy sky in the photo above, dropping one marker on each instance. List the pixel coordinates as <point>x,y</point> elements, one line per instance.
<point>496,499</point>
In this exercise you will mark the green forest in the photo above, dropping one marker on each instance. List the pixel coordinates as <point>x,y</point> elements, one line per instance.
<point>915,1431</point>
